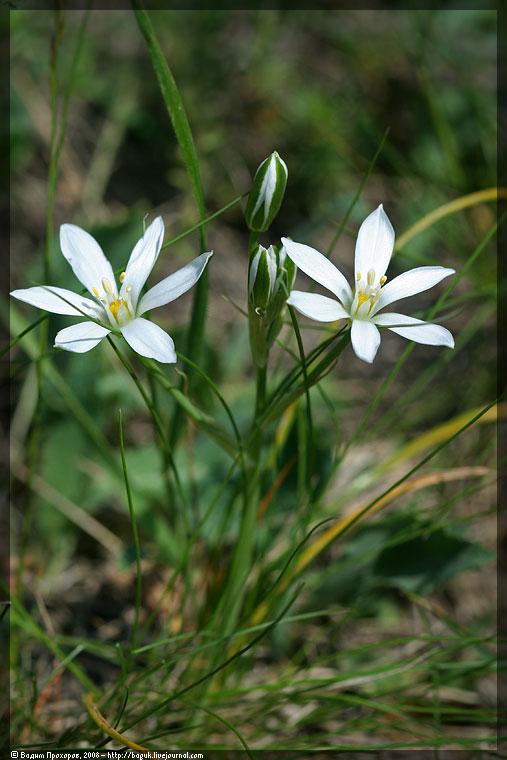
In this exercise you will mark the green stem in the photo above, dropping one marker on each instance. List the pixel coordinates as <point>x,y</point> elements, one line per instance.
<point>274,410</point>
<point>234,591</point>
<point>231,600</point>
<point>136,540</point>
<point>166,449</point>
<point>253,242</point>
<point>260,396</point>
<point>308,462</point>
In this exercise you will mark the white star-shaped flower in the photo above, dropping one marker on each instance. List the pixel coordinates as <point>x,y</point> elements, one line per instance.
<point>361,306</point>
<point>122,310</point>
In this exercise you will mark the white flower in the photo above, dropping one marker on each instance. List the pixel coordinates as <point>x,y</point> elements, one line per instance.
<point>374,247</point>
<point>123,310</point>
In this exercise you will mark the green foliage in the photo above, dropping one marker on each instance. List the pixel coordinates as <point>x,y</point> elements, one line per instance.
<point>425,564</point>
<point>404,553</point>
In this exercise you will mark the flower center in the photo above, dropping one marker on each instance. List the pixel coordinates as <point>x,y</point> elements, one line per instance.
<point>366,292</point>
<point>118,310</point>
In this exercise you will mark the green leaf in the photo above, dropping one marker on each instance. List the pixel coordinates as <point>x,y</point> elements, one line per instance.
<point>183,133</point>
<point>175,107</point>
<point>425,563</point>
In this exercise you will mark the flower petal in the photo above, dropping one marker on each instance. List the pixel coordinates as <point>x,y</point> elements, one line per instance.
<point>320,269</point>
<point>175,285</point>
<point>51,299</point>
<point>415,329</point>
<point>374,245</point>
<point>318,307</point>
<point>365,339</point>
<point>86,258</point>
<point>409,283</point>
<point>143,258</point>
<point>148,339</point>
<point>81,337</point>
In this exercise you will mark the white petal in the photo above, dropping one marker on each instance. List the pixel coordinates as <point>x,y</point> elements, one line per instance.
<point>149,340</point>
<point>409,283</point>
<point>175,285</point>
<point>81,337</point>
<point>86,258</point>
<point>48,298</point>
<point>415,329</point>
<point>365,339</point>
<point>143,258</point>
<point>374,245</point>
<point>320,269</point>
<point>318,307</point>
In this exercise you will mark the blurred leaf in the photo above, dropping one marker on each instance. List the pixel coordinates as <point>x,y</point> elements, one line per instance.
<point>426,563</point>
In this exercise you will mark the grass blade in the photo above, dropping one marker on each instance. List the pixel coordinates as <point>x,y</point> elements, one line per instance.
<point>179,120</point>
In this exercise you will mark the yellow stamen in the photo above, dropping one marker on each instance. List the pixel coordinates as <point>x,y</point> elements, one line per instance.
<point>361,298</point>
<point>383,280</point>
<point>114,306</point>
<point>107,286</point>
<point>358,276</point>
<point>128,288</point>
<point>95,292</point>
<point>122,276</point>
<point>371,277</point>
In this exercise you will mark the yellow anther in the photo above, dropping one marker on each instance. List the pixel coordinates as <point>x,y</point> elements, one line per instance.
<point>122,276</point>
<point>107,286</point>
<point>95,292</point>
<point>371,277</point>
<point>383,280</point>
<point>128,288</point>
<point>358,276</point>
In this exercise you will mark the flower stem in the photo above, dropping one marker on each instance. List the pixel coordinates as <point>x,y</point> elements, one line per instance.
<point>166,449</point>
<point>234,592</point>
<point>260,396</point>
<point>254,239</point>
<point>135,534</point>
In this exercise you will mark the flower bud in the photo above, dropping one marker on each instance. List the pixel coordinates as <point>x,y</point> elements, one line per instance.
<point>266,194</point>
<point>262,276</point>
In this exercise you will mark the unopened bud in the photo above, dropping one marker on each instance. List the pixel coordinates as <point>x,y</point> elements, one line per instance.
<point>262,276</point>
<point>285,275</point>
<point>266,194</point>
